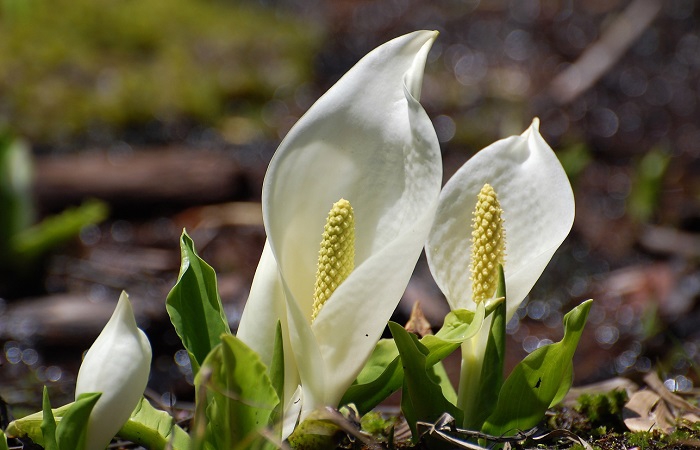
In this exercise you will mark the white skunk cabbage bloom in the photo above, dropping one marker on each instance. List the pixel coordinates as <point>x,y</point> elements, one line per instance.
<point>536,213</point>
<point>117,365</point>
<point>368,142</point>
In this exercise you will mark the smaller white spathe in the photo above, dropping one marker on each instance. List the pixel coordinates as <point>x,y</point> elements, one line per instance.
<point>117,365</point>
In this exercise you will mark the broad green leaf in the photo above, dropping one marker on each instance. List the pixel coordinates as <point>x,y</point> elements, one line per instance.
<point>71,431</point>
<point>445,383</point>
<point>48,423</point>
<point>3,441</point>
<point>422,397</point>
<point>491,378</point>
<point>459,326</point>
<point>537,380</point>
<point>194,305</point>
<point>239,395</point>
<point>381,376</point>
<point>154,429</point>
<point>567,381</point>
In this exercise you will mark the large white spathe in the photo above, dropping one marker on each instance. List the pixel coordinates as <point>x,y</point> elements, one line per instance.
<point>538,212</point>
<point>369,141</point>
<point>117,365</point>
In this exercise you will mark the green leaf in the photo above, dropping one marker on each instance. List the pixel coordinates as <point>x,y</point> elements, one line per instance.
<point>154,429</point>
<point>459,325</point>
<point>48,423</point>
<point>240,397</point>
<point>30,426</point>
<point>490,380</point>
<point>422,397</point>
<point>445,383</point>
<point>381,376</point>
<point>16,201</point>
<point>72,429</point>
<point>32,242</point>
<point>537,380</point>
<point>567,381</point>
<point>194,305</point>
<point>3,441</point>
<point>147,426</point>
<point>647,184</point>
<point>276,374</point>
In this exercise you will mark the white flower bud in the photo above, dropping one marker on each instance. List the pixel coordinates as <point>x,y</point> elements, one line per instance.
<point>117,365</point>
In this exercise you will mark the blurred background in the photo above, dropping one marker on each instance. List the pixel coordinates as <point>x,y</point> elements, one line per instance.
<point>123,122</point>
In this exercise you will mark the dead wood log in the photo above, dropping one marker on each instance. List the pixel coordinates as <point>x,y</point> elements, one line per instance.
<point>139,178</point>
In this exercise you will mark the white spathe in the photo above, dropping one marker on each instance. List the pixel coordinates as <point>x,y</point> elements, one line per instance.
<point>367,140</point>
<point>117,365</point>
<point>538,212</point>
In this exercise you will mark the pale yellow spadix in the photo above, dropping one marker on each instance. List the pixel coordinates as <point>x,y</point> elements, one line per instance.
<point>336,258</point>
<point>488,244</point>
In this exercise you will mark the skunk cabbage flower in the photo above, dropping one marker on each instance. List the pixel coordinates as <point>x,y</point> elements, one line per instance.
<point>365,149</point>
<point>528,188</point>
<point>117,365</point>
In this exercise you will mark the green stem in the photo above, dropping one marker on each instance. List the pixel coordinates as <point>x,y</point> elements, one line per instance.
<point>470,376</point>
<point>482,364</point>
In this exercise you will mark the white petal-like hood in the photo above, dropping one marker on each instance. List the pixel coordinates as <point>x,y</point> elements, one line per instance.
<point>117,365</point>
<point>369,141</point>
<point>538,212</point>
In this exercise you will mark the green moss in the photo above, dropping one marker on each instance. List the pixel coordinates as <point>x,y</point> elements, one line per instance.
<point>120,63</point>
<point>603,410</point>
<point>377,425</point>
<point>641,439</point>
